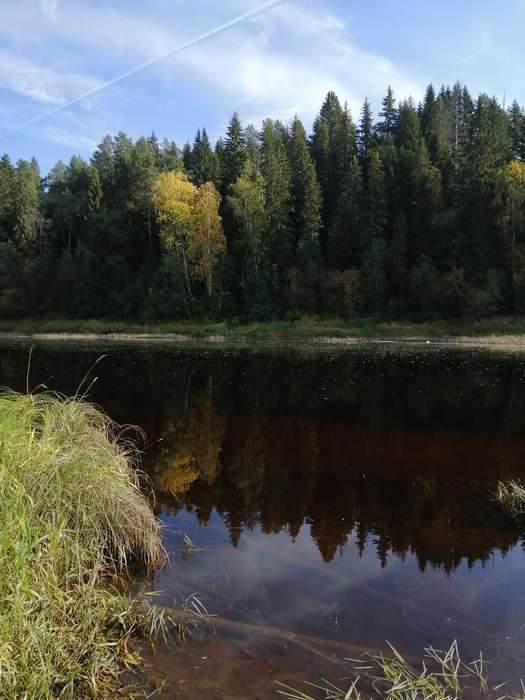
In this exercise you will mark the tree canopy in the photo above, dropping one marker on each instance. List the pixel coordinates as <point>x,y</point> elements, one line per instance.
<point>416,211</point>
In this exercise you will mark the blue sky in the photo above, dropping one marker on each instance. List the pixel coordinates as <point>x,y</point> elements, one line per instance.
<point>277,63</point>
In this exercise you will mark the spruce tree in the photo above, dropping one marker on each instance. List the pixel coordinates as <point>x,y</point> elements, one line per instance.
<point>365,140</point>
<point>233,153</point>
<point>203,160</point>
<point>517,131</point>
<point>333,134</point>
<point>306,195</point>
<point>278,237</point>
<point>306,207</point>
<point>388,115</point>
<point>344,236</point>
<point>7,198</point>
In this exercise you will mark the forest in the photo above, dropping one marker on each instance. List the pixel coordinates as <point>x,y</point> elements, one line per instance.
<point>416,212</point>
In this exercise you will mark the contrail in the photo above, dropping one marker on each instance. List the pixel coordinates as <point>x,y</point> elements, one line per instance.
<point>147,64</point>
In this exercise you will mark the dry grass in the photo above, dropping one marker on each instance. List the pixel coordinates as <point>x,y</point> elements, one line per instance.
<point>72,515</point>
<point>511,496</point>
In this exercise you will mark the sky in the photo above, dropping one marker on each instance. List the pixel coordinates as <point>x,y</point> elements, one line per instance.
<point>191,63</point>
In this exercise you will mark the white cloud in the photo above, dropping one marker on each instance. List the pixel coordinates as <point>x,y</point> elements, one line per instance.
<point>45,85</point>
<point>277,64</point>
<point>288,64</point>
<point>62,137</point>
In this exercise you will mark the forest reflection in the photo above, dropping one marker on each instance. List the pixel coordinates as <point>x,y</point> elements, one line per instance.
<point>392,449</point>
<point>393,488</point>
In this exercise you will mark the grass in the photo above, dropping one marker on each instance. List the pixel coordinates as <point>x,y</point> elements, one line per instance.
<point>72,516</point>
<point>511,497</point>
<point>502,329</point>
<point>442,676</point>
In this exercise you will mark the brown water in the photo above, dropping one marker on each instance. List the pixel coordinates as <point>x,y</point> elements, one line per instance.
<point>337,499</point>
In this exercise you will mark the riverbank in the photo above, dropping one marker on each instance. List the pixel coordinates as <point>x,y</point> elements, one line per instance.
<point>72,516</point>
<point>508,330</point>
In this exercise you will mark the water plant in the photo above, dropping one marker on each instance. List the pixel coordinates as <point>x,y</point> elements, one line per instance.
<point>72,516</point>
<point>442,676</point>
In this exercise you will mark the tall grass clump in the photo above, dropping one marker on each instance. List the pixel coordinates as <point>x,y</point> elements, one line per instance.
<point>71,516</point>
<point>511,497</point>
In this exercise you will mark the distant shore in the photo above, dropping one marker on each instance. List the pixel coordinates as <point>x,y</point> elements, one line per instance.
<point>500,331</point>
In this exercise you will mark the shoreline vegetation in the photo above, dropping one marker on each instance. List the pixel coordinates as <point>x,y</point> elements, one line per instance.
<point>502,331</point>
<point>73,516</point>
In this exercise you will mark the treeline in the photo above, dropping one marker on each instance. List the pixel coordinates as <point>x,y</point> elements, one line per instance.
<point>418,212</point>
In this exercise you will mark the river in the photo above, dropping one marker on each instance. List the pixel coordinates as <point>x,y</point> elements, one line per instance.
<point>332,499</point>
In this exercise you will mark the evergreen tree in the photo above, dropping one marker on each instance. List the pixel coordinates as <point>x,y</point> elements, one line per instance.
<point>29,222</point>
<point>203,166</point>
<point>278,238</point>
<point>419,181</point>
<point>365,140</point>
<point>517,131</point>
<point>306,196</point>
<point>422,211</point>
<point>344,237</point>
<point>7,198</point>
<point>306,207</point>
<point>247,203</point>
<point>233,153</point>
<point>187,157</point>
<point>388,115</point>
<point>333,134</point>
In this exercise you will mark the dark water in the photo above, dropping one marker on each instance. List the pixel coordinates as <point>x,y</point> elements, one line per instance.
<point>338,499</point>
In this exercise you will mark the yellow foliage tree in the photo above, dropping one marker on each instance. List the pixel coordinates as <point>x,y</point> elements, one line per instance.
<point>191,223</point>
<point>207,242</point>
<point>173,197</point>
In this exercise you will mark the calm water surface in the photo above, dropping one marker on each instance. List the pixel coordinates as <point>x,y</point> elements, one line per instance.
<point>338,498</point>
